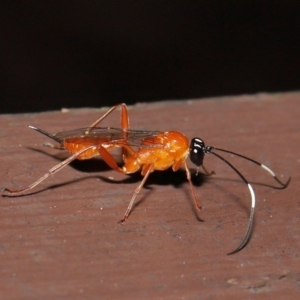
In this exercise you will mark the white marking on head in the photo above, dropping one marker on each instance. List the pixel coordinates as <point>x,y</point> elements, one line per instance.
<point>198,140</point>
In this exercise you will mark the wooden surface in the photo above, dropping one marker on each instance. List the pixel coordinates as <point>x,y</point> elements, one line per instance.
<point>63,240</point>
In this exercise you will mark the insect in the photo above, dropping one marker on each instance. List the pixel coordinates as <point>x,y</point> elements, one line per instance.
<point>141,150</point>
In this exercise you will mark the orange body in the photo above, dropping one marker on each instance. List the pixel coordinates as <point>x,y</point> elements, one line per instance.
<point>167,149</point>
<point>145,150</point>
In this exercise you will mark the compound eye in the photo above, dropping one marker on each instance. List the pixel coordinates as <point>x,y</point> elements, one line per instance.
<point>196,151</point>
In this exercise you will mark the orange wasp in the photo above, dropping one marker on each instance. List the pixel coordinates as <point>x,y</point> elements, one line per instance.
<point>145,150</point>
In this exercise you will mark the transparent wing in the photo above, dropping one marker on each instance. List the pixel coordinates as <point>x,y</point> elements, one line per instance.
<point>134,138</point>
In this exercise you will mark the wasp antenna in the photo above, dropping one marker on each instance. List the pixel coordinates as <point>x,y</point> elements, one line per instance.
<point>283,185</point>
<point>251,218</point>
<point>250,224</point>
<point>44,133</point>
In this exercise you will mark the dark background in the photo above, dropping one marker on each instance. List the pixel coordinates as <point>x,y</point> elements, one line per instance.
<point>58,54</point>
